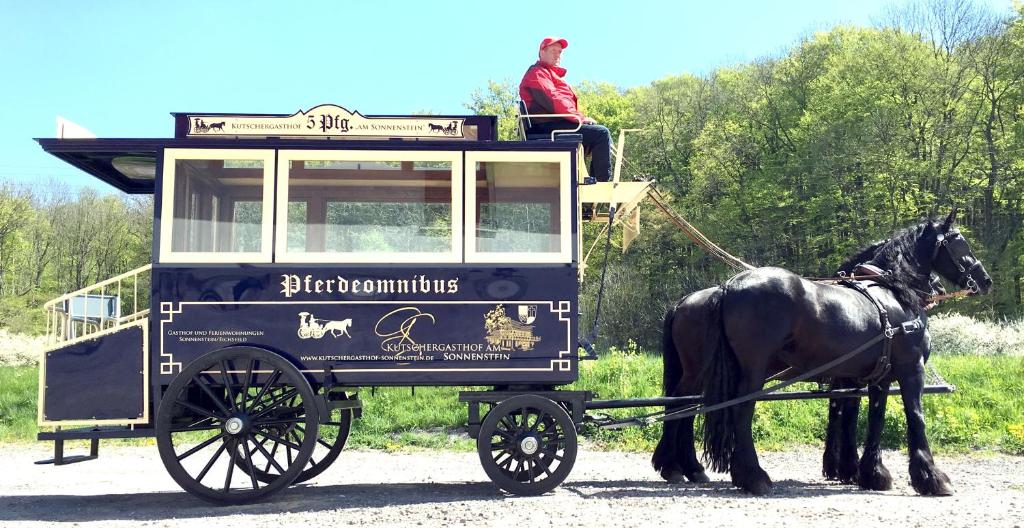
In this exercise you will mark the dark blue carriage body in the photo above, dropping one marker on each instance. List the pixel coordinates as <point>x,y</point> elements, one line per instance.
<point>500,319</point>
<point>376,325</point>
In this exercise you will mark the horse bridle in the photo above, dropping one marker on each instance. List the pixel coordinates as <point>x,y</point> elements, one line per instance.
<point>966,278</point>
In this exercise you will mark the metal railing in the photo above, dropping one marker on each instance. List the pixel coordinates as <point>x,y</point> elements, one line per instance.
<point>108,304</point>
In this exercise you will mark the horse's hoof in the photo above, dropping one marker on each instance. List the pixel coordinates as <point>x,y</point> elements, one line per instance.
<point>698,477</point>
<point>830,468</point>
<point>756,482</point>
<point>847,473</point>
<point>934,483</point>
<point>673,476</point>
<point>875,478</point>
<point>759,488</point>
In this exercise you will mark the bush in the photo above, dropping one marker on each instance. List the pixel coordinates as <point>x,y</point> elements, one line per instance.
<point>955,334</point>
<point>22,315</point>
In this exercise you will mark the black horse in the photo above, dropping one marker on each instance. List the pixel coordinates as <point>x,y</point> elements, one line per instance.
<point>675,457</point>
<point>840,460</point>
<point>769,319</point>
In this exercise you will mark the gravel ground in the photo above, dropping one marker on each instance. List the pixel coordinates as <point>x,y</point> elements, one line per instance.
<point>127,486</point>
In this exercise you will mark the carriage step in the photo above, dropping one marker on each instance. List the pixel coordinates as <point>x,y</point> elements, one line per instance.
<point>93,434</point>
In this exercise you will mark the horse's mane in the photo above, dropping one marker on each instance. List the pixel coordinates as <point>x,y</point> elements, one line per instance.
<point>908,277</point>
<point>862,256</point>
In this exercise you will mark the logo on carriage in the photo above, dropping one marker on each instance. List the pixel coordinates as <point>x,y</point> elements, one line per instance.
<point>311,327</point>
<point>507,334</point>
<point>202,127</point>
<point>452,129</point>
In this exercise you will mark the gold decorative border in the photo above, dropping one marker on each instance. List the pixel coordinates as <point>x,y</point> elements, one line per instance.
<point>562,308</point>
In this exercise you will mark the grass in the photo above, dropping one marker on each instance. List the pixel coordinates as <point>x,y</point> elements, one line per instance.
<point>18,396</point>
<point>986,412</point>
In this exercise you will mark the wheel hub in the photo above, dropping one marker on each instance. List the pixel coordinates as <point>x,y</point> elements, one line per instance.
<point>234,425</point>
<point>529,445</point>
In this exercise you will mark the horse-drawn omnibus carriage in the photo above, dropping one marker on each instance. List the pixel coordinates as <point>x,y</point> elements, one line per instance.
<point>298,258</point>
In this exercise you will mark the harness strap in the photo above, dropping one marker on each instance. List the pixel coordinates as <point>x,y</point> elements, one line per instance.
<point>884,363</point>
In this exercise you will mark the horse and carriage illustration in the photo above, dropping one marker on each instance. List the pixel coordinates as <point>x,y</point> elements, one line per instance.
<point>406,247</point>
<point>311,327</point>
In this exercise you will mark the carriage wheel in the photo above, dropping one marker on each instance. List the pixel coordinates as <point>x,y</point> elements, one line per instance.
<point>333,433</point>
<point>527,445</point>
<point>232,415</point>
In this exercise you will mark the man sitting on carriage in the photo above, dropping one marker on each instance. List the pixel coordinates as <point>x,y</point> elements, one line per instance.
<point>544,91</point>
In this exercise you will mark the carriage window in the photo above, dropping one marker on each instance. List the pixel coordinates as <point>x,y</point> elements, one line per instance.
<point>520,207</point>
<point>216,206</point>
<point>351,206</point>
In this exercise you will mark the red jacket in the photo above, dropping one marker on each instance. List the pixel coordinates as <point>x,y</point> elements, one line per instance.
<point>545,92</point>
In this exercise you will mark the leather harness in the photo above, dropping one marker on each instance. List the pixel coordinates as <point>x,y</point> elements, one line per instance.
<point>884,364</point>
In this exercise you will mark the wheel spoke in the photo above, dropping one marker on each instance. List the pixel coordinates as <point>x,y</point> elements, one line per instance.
<point>279,440</point>
<point>228,382</point>
<point>546,468</point>
<point>277,421</point>
<point>206,469</point>
<point>199,447</point>
<point>530,469</point>
<point>519,469</point>
<point>275,404</point>
<point>324,443</point>
<point>507,463</point>
<point>194,428</point>
<point>217,400</point>
<point>508,422</point>
<point>231,465</point>
<point>551,454</point>
<point>248,463</point>
<point>270,458</point>
<point>195,408</point>
<point>266,386</point>
<point>245,384</point>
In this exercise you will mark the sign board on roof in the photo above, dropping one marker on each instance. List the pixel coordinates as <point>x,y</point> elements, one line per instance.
<point>324,121</point>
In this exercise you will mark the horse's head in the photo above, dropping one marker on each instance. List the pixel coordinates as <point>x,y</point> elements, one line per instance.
<point>951,256</point>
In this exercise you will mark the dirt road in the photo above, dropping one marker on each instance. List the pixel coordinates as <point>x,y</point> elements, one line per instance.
<point>128,486</point>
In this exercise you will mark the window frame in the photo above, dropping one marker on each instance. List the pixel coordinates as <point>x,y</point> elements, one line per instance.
<point>564,255</point>
<point>170,157</point>
<point>285,156</point>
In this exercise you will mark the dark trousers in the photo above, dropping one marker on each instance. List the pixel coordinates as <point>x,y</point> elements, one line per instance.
<point>596,140</point>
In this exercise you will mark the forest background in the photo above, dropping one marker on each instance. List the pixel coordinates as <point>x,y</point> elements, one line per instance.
<point>795,160</point>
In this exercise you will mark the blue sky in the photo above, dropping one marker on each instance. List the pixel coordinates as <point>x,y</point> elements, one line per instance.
<point>119,68</point>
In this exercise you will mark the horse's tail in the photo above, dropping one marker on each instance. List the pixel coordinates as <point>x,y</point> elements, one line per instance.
<point>673,368</point>
<point>721,376</point>
<point>664,453</point>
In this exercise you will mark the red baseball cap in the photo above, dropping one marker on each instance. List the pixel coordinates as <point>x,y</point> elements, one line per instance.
<point>551,40</point>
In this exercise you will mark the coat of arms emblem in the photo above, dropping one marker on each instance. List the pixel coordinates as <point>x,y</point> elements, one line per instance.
<point>527,313</point>
<point>507,334</point>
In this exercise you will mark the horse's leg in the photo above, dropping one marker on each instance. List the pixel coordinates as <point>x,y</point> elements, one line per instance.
<point>686,453</point>
<point>845,441</point>
<point>830,458</point>
<point>746,471</point>
<point>848,458</point>
<point>872,473</point>
<point>924,476</point>
<point>665,459</point>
